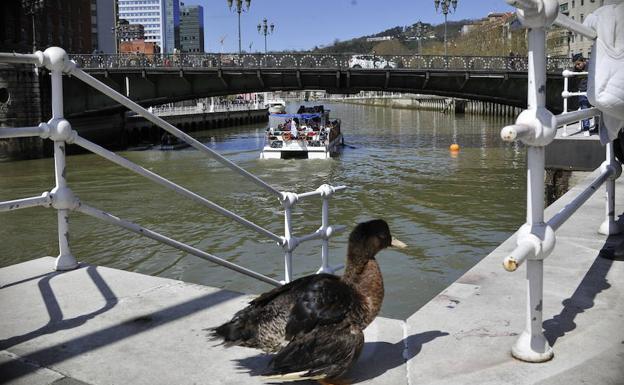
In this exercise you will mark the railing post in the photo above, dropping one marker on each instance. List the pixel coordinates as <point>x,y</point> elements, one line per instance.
<point>289,242</point>
<point>566,82</point>
<point>610,226</point>
<point>62,196</point>
<point>532,346</point>
<point>326,194</point>
<point>535,128</point>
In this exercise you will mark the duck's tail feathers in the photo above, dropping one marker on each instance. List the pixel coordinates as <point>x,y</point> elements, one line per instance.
<point>233,332</point>
<point>290,377</point>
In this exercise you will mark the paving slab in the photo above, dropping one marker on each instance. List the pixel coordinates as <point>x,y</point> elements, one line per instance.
<point>98,325</point>
<point>479,317</point>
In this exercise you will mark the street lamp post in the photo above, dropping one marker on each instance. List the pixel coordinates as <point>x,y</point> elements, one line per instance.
<point>265,29</point>
<point>32,8</point>
<point>419,35</point>
<point>239,9</point>
<point>446,9</point>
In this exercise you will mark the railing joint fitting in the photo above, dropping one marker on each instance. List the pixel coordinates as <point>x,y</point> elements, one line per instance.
<point>44,130</point>
<point>48,197</point>
<point>288,199</point>
<point>326,190</point>
<point>60,130</point>
<point>64,199</point>
<point>290,244</point>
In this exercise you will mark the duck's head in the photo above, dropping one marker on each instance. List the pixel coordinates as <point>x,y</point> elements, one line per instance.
<point>368,238</point>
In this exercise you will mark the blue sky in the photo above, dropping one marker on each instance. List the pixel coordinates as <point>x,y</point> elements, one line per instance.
<point>304,24</point>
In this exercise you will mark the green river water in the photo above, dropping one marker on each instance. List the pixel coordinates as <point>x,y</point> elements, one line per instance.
<point>450,210</point>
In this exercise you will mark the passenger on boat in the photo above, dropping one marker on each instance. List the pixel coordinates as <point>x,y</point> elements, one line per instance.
<point>293,128</point>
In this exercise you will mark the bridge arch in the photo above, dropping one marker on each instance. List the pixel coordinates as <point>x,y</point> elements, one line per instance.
<point>462,77</point>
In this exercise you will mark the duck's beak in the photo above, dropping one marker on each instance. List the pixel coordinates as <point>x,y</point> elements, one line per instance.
<point>398,244</point>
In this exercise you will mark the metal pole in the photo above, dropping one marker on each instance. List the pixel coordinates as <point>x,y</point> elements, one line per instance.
<point>265,42</point>
<point>111,93</point>
<point>532,346</point>
<point>111,219</point>
<point>565,104</point>
<point>288,237</point>
<point>170,185</point>
<point>34,42</point>
<point>65,259</point>
<point>240,49</point>
<point>610,226</point>
<point>325,243</point>
<point>445,48</point>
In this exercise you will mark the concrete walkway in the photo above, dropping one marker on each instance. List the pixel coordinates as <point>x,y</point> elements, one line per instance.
<point>97,325</point>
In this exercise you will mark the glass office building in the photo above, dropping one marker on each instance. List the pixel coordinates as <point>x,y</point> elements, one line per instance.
<point>192,29</point>
<point>160,19</point>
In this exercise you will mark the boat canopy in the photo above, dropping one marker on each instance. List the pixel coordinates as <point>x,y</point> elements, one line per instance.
<point>299,116</point>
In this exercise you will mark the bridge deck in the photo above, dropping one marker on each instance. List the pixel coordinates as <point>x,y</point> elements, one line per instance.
<point>97,325</point>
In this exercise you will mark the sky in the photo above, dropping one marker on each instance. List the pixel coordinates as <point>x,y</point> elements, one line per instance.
<point>304,24</point>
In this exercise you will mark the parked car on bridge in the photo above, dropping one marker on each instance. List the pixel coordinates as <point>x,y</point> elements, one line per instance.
<point>370,61</point>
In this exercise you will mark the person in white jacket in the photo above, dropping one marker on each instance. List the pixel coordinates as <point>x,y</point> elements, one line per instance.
<point>293,128</point>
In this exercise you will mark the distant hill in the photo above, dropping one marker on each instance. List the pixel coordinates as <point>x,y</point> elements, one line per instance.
<point>405,38</point>
<point>486,37</point>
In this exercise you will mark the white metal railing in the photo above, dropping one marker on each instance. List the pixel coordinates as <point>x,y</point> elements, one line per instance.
<point>61,197</point>
<point>567,74</point>
<point>536,127</point>
<point>166,110</point>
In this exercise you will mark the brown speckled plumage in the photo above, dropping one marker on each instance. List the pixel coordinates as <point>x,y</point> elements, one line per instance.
<point>315,323</point>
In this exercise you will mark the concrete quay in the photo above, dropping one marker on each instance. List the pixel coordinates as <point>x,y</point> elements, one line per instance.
<point>97,325</point>
<point>575,151</point>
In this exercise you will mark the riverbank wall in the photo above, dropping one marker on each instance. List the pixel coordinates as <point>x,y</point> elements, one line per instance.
<point>20,106</point>
<point>433,103</point>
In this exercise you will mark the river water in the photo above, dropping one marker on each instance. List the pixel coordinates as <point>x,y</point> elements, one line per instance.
<point>451,210</point>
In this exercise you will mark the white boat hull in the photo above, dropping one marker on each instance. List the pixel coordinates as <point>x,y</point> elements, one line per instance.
<point>295,147</point>
<point>277,109</point>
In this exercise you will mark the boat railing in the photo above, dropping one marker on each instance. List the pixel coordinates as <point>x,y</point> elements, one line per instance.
<point>536,127</point>
<point>63,199</point>
<point>279,135</point>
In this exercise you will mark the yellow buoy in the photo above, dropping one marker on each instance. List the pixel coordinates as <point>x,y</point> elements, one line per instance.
<point>454,147</point>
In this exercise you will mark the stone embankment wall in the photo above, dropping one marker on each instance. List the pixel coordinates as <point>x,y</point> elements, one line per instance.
<point>435,103</point>
<point>20,106</point>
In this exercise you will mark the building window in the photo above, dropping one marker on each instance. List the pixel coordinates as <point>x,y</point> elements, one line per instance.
<point>582,3</point>
<point>573,3</point>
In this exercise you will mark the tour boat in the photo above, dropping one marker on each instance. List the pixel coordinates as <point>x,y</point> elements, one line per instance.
<point>307,134</point>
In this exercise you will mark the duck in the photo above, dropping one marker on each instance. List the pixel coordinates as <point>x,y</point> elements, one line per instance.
<point>314,324</point>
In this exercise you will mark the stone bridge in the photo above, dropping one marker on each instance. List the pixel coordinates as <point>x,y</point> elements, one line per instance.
<point>158,79</point>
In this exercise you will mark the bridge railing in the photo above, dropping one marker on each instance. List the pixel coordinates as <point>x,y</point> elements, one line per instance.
<point>536,127</point>
<point>313,60</point>
<point>62,198</point>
